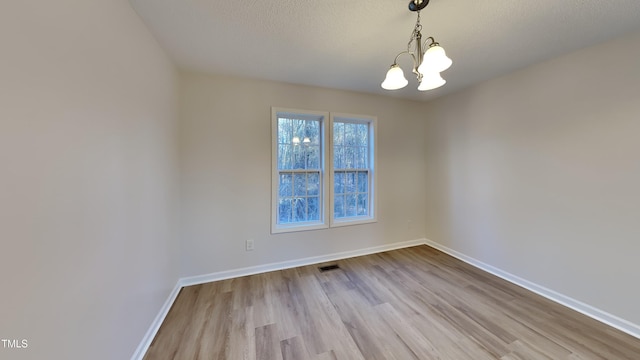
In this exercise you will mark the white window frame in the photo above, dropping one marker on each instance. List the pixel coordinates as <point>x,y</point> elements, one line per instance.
<point>327,171</point>
<point>372,157</point>
<point>322,223</point>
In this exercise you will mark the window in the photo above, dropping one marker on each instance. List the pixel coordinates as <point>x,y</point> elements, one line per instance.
<point>304,194</point>
<point>353,170</point>
<point>298,171</point>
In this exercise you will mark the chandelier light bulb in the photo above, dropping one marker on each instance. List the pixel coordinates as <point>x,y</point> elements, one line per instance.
<point>435,60</point>
<point>431,81</point>
<point>395,79</point>
<point>295,140</point>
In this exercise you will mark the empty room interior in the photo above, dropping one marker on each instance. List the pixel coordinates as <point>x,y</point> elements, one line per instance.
<point>319,180</point>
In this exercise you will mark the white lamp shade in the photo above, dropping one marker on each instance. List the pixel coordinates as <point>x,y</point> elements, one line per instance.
<point>435,60</point>
<point>395,79</point>
<point>431,81</point>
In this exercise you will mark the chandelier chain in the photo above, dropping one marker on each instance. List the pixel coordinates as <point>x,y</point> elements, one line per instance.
<point>414,34</point>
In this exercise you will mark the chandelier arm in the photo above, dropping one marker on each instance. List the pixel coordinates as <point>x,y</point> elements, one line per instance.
<point>395,61</point>
<point>415,63</point>
<point>413,37</point>
<point>432,43</point>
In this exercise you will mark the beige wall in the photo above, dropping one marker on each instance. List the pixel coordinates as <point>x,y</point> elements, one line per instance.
<point>226,173</point>
<point>537,173</point>
<point>88,179</point>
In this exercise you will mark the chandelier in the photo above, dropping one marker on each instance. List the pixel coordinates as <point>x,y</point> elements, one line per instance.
<point>427,65</point>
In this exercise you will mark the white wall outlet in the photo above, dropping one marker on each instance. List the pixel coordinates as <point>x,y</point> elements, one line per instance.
<point>249,245</point>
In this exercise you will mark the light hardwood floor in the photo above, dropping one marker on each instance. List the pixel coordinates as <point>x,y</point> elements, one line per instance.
<point>414,303</point>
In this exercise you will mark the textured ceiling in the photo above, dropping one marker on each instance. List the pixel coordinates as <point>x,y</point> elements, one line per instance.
<point>351,44</point>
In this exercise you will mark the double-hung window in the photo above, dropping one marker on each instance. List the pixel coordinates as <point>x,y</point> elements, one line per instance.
<point>299,190</point>
<point>322,170</point>
<point>353,170</point>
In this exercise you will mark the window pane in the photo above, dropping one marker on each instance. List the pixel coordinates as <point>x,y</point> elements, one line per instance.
<point>313,184</point>
<point>298,130</point>
<point>338,206</point>
<point>362,204</point>
<point>338,182</point>
<point>350,182</point>
<point>300,209</point>
<point>298,157</point>
<point>338,133</point>
<point>284,131</point>
<point>284,157</point>
<point>361,158</point>
<point>358,162</point>
<point>313,208</point>
<point>313,157</point>
<point>350,134</point>
<point>300,184</point>
<point>285,185</point>
<point>364,154</point>
<point>338,157</point>
<point>349,154</point>
<point>350,205</point>
<point>363,181</point>
<point>313,132</point>
<point>284,211</point>
<point>362,135</point>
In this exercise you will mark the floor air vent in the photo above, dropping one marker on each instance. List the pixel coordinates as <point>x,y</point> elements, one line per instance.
<point>328,268</point>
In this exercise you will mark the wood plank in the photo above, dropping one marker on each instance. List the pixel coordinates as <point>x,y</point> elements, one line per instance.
<point>267,343</point>
<point>294,349</point>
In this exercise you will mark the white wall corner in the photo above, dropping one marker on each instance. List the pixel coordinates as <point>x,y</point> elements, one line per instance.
<point>586,309</point>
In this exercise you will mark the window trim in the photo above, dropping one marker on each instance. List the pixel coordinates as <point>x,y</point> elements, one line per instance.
<point>323,117</point>
<point>327,171</point>
<point>373,194</point>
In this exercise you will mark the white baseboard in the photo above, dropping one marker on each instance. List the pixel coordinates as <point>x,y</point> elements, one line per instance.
<point>259,269</point>
<point>155,325</point>
<point>588,310</point>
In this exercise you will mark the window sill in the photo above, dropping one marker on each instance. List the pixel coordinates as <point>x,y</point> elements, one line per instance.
<point>353,221</point>
<point>280,229</point>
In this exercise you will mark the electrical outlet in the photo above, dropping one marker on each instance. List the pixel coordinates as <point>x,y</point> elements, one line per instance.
<point>249,245</point>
